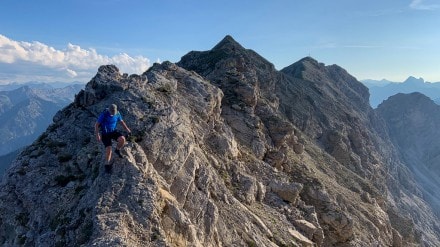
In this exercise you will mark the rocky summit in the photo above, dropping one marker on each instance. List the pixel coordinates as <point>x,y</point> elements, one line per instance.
<point>225,151</point>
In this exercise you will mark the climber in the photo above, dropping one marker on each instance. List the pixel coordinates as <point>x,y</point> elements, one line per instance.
<point>107,123</point>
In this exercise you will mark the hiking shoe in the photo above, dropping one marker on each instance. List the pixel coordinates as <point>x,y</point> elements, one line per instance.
<point>118,152</point>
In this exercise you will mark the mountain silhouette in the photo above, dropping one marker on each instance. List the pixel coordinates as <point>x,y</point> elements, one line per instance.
<point>379,93</point>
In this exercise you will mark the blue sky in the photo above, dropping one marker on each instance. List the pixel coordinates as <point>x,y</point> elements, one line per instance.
<point>67,40</point>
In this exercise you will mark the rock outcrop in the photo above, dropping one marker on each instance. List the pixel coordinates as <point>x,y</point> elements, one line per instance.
<point>225,151</point>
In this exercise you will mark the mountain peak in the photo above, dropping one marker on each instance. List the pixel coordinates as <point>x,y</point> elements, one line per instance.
<point>216,139</point>
<point>407,101</point>
<point>308,59</point>
<point>228,43</point>
<point>296,69</point>
<point>332,78</point>
<point>204,62</point>
<point>228,38</point>
<point>414,80</point>
<point>309,68</point>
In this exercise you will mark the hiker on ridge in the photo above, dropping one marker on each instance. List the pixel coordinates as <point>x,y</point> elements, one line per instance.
<point>106,124</point>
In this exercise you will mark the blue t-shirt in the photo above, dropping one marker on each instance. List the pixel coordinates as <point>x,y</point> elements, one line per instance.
<point>108,122</point>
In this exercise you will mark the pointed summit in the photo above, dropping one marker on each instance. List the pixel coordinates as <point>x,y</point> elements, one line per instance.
<point>228,43</point>
<point>204,62</point>
<point>227,39</point>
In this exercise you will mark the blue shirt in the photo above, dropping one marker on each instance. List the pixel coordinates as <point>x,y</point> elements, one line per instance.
<point>108,122</point>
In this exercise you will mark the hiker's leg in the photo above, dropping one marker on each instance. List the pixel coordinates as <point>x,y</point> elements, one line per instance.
<point>108,154</point>
<point>107,141</point>
<point>121,142</point>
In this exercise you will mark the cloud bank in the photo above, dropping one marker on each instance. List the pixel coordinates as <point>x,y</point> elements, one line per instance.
<point>424,5</point>
<point>34,61</point>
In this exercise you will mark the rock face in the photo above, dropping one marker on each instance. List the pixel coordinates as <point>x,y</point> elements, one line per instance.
<point>413,121</point>
<point>225,151</point>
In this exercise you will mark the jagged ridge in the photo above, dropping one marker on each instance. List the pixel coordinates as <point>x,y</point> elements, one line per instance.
<point>233,154</point>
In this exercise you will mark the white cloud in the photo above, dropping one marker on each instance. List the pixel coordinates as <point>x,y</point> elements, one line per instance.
<point>424,4</point>
<point>72,62</point>
<point>71,73</point>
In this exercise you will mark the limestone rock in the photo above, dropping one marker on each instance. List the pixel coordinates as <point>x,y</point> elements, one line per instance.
<point>303,241</point>
<point>287,192</point>
<point>306,227</point>
<point>225,151</point>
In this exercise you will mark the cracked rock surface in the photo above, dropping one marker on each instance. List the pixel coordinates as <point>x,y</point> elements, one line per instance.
<point>225,151</point>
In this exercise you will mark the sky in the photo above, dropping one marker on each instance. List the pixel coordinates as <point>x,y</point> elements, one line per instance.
<point>53,40</point>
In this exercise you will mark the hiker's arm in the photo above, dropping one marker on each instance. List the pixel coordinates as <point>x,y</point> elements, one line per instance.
<point>98,137</point>
<point>125,126</point>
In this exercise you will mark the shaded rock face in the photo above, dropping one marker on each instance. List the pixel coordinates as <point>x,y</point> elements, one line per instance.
<point>219,156</point>
<point>333,79</point>
<point>333,106</point>
<point>413,121</point>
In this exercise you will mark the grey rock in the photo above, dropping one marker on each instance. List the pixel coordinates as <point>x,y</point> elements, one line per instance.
<point>287,192</point>
<point>201,166</point>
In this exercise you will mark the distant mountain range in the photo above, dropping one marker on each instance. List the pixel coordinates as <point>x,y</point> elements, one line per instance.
<point>37,85</point>
<point>376,83</point>
<point>27,111</point>
<point>383,89</point>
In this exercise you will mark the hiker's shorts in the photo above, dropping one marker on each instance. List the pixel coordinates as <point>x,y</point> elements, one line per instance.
<point>108,137</point>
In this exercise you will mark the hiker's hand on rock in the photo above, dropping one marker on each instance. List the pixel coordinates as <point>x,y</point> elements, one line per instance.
<point>98,137</point>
